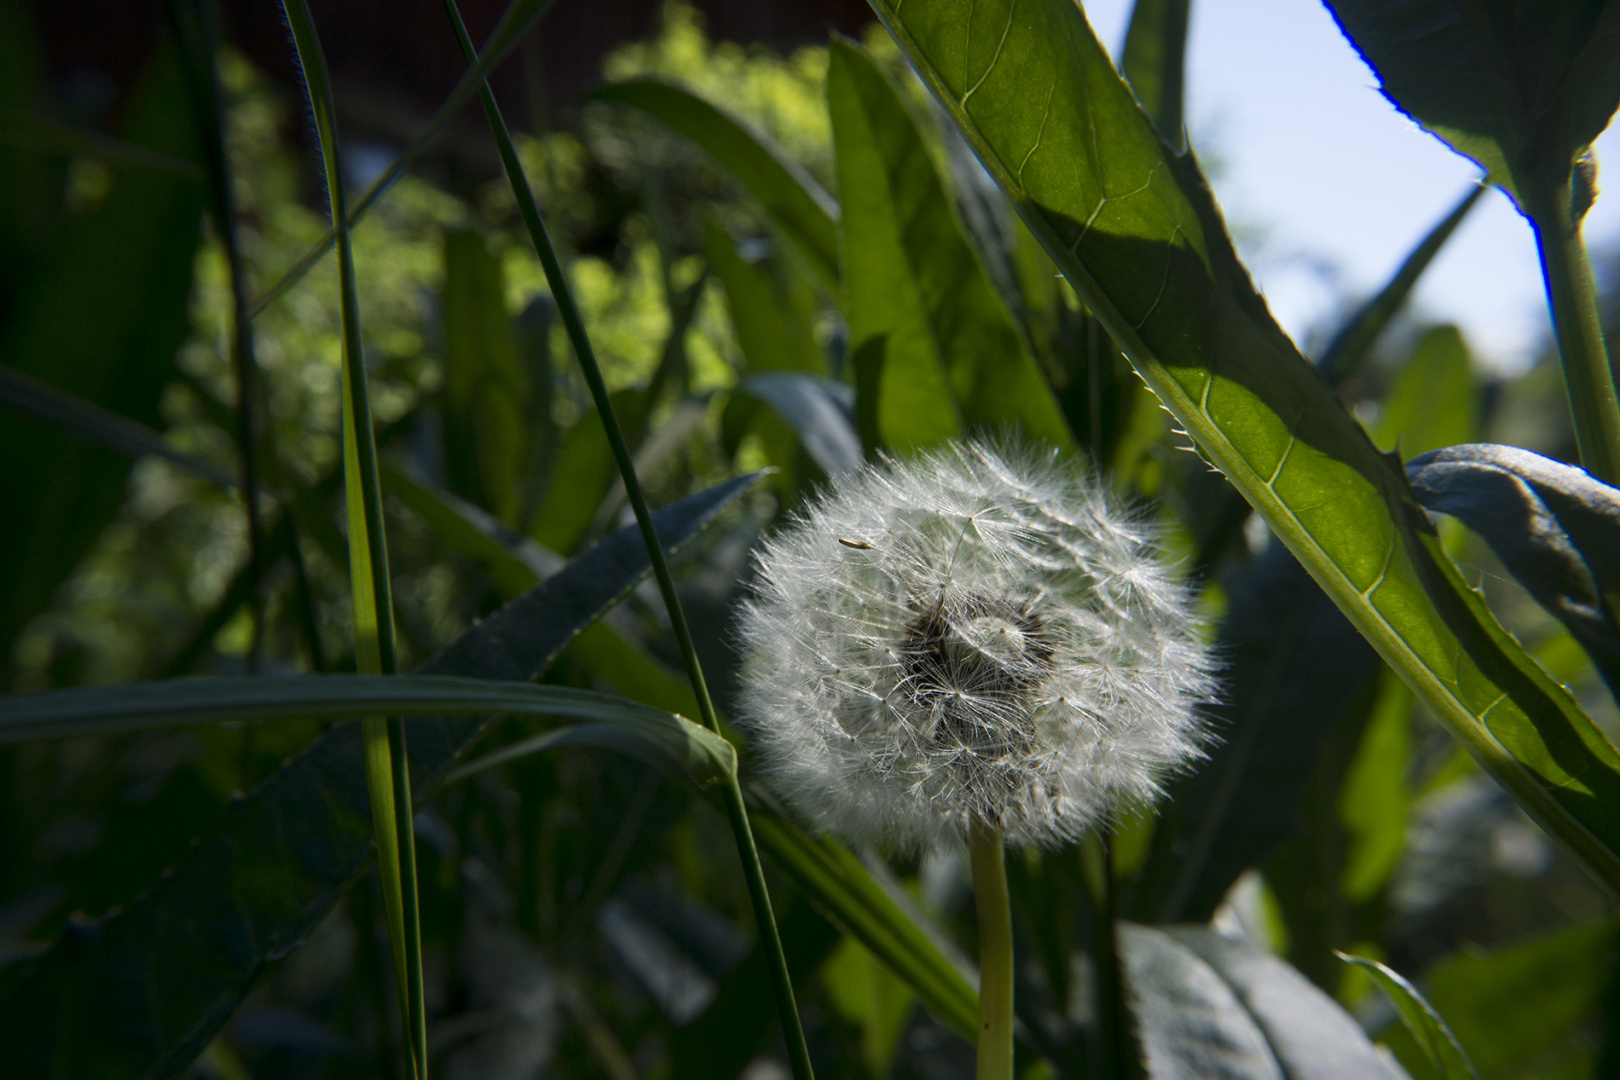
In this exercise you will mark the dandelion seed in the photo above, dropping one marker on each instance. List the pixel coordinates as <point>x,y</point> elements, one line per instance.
<point>976,638</point>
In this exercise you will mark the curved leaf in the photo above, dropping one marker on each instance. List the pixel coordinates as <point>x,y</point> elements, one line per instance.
<point>1434,1038</point>
<point>142,992</point>
<point>804,212</point>
<point>951,355</point>
<point>101,710</point>
<point>1137,234</point>
<point>818,410</point>
<point>1554,526</point>
<point>1313,1038</point>
<point>1210,1006</point>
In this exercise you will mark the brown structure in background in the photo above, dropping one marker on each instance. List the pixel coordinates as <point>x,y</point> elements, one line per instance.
<point>394,61</point>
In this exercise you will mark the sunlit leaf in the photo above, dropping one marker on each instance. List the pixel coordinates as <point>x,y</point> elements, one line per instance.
<point>1135,231</point>
<point>798,206</point>
<point>1425,1025</point>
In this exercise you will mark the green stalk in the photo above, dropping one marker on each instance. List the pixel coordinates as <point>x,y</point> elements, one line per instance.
<point>736,810</point>
<point>995,1044</point>
<point>387,764</point>
<point>1118,1055</point>
<point>1572,297</point>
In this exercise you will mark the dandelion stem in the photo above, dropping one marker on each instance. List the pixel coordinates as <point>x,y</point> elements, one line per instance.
<point>985,849</point>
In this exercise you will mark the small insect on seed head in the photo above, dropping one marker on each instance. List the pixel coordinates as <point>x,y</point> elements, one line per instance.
<point>1001,645</point>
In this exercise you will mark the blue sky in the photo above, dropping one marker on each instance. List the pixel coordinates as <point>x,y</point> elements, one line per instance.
<point>1328,187</point>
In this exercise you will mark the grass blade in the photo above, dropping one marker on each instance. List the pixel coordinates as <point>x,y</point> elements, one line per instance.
<point>1354,340</point>
<point>148,988</point>
<point>103,710</point>
<point>1434,1038</point>
<point>386,763</point>
<point>101,426</point>
<point>514,24</point>
<point>736,810</point>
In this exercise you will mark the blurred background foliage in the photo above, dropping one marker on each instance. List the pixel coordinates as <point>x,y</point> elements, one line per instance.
<point>582,913</point>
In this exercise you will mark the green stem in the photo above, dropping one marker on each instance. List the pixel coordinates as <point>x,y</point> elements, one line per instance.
<point>376,651</point>
<point>1118,1056</point>
<point>574,324</point>
<point>988,858</point>
<point>1572,297</point>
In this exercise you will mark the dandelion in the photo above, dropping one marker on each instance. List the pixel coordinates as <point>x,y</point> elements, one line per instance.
<point>975,645</point>
<point>977,635</point>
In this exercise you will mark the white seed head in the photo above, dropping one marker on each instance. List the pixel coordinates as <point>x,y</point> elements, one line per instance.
<point>977,634</point>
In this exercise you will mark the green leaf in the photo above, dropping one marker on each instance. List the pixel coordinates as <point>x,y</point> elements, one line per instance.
<point>102,710</point>
<point>100,319</point>
<point>1521,88</point>
<point>100,426</point>
<point>797,205</point>
<point>1554,527</point>
<point>845,889</point>
<point>1136,233</point>
<point>486,391</point>
<point>1210,1006</point>
<point>1426,1026</point>
<point>1434,401</point>
<point>583,475</point>
<point>772,308</point>
<point>144,991</point>
<point>913,288</point>
<point>1374,800</point>
<point>1516,1010</point>
<point>1154,63</point>
<point>371,608</point>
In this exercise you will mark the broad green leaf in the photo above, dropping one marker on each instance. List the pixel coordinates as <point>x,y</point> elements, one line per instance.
<point>100,319</point>
<point>913,288</point>
<point>797,205</point>
<point>1521,88</point>
<point>1373,800</point>
<point>147,990</point>
<point>486,391</point>
<point>871,997</point>
<point>1515,1010</point>
<point>1154,63</point>
<point>583,475</point>
<point>1427,1027</point>
<point>1354,340</point>
<point>101,710</point>
<point>772,308</point>
<point>1434,401</point>
<point>1136,233</point>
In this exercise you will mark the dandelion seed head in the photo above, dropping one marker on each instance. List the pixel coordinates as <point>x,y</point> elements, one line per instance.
<point>977,634</point>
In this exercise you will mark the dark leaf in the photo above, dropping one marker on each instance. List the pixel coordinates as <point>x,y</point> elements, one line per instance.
<point>1552,525</point>
<point>144,991</point>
